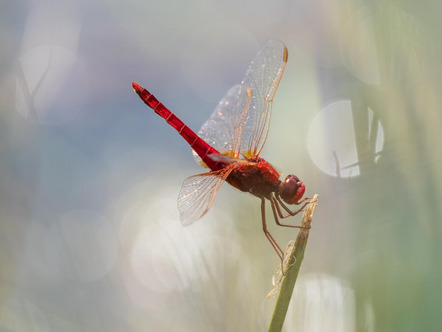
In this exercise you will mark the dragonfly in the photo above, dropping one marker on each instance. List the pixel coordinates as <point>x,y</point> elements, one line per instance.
<point>229,143</point>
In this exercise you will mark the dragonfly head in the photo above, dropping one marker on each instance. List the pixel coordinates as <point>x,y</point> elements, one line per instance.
<point>291,189</point>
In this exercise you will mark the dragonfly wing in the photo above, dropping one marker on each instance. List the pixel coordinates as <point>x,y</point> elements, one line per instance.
<point>218,130</point>
<point>198,193</point>
<point>255,98</point>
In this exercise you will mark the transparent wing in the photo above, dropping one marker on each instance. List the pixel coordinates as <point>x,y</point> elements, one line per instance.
<point>254,108</point>
<point>198,193</point>
<point>240,122</point>
<point>218,130</point>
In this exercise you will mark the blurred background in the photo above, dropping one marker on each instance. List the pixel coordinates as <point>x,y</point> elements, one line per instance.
<point>90,237</point>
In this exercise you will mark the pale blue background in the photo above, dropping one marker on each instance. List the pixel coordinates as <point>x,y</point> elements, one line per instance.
<point>90,237</point>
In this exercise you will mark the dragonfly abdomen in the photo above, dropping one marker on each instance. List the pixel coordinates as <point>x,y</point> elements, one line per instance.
<point>196,143</point>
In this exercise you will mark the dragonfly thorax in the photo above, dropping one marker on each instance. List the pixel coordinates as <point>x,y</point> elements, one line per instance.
<point>254,175</point>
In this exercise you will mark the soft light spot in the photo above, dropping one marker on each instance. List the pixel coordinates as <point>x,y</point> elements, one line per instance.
<point>322,303</point>
<point>333,136</point>
<point>166,257</point>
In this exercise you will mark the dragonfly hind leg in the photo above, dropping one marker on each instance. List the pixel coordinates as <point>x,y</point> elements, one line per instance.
<point>269,236</point>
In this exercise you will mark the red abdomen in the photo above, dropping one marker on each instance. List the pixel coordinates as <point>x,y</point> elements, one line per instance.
<point>196,143</point>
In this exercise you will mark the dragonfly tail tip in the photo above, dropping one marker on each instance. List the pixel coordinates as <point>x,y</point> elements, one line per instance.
<point>136,87</point>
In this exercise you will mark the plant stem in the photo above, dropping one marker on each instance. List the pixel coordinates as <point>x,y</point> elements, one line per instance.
<point>292,267</point>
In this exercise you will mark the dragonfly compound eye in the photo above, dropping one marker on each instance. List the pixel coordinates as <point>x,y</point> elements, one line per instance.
<point>291,189</point>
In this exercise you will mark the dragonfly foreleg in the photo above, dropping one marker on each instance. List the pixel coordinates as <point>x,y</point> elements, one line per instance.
<point>278,201</point>
<point>277,211</point>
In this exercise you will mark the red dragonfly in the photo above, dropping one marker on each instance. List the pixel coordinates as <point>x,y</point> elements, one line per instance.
<point>230,141</point>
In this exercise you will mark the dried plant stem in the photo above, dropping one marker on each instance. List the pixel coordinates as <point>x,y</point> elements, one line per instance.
<point>291,266</point>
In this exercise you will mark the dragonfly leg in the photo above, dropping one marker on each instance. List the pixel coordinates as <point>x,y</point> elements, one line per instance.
<point>278,201</point>
<point>277,211</point>
<point>267,233</point>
